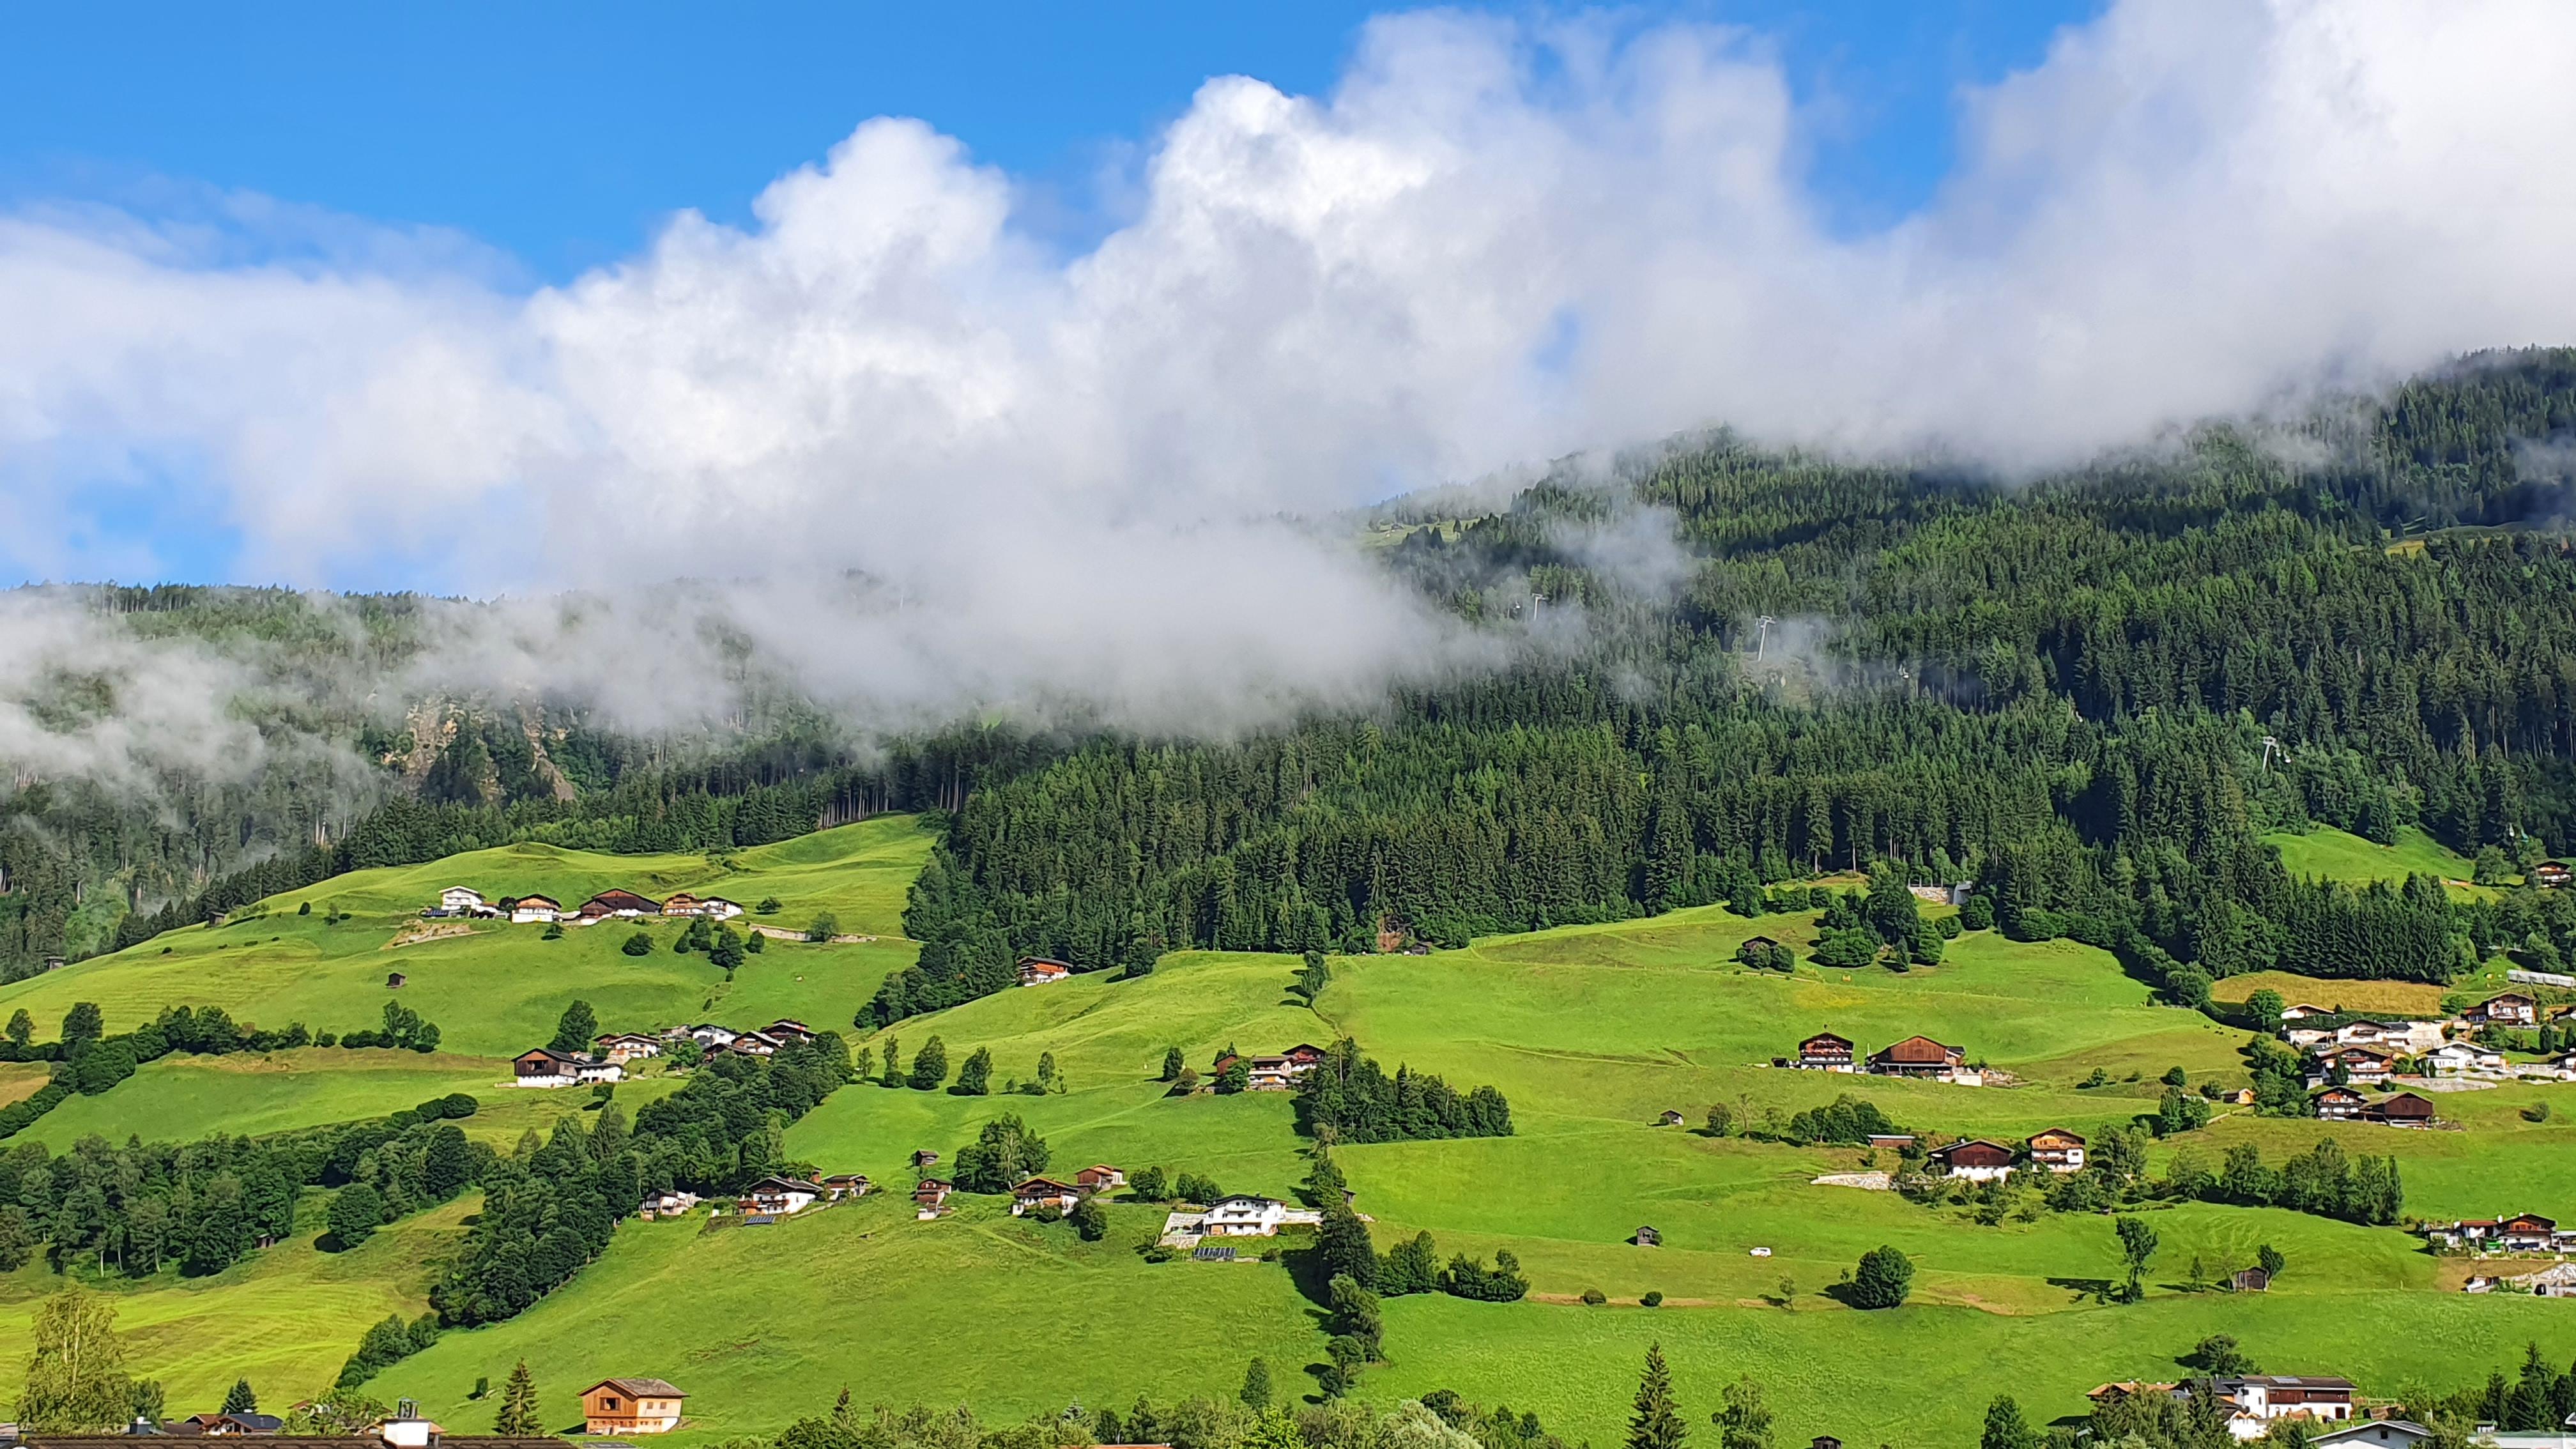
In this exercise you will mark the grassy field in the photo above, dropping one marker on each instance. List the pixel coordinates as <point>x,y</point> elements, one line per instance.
<point>497,989</point>
<point>2399,998</point>
<point>2341,855</point>
<point>181,1098</point>
<point>1591,1031</point>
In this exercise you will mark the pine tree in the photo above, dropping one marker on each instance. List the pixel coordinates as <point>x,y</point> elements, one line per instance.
<point>1657,1423</point>
<point>519,1417</point>
<point>1256,1386</point>
<point>577,1029</point>
<point>241,1400</point>
<point>2005,1427</point>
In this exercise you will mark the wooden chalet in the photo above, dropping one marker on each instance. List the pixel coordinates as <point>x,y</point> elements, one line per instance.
<point>924,1158</point>
<point>624,904</point>
<point>2339,1104</point>
<point>2368,1065</point>
<point>787,1028</point>
<point>780,1196</point>
<point>2056,1149</point>
<point>1044,971</point>
<point>2288,1396</point>
<point>459,899</point>
<point>930,1198</point>
<point>1916,1056</point>
<point>2505,1008</point>
<point>627,1046</point>
<point>1825,1052</point>
<point>845,1184</point>
<point>1044,1192</point>
<point>1648,1238</point>
<point>2406,1109</point>
<point>1099,1177</point>
<point>546,1067</point>
<point>2526,1233</point>
<point>527,909</point>
<point>2302,1011</point>
<point>631,1406</point>
<point>2249,1280</point>
<point>1976,1160</point>
<point>1671,1117</point>
<point>2552,875</point>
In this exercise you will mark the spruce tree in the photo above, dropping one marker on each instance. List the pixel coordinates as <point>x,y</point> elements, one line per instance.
<point>1657,1423</point>
<point>518,1418</point>
<point>2005,1427</point>
<point>1256,1386</point>
<point>576,1029</point>
<point>241,1400</point>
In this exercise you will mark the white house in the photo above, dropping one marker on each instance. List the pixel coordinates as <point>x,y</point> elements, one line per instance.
<point>708,1034</point>
<point>718,908</point>
<point>627,1046</point>
<point>1245,1216</point>
<point>779,1196</point>
<point>2464,1058</point>
<point>535,908</point>
<point>460,899</point>
<point>599,1072</point>
<point>2262,1398</point>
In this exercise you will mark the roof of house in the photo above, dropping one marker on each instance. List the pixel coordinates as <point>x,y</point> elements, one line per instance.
<point>2340,1094</point>
<point>539,901</point>
<point>1916,1049</point>
<point>1824,1036</point>
<point>1247,1199</point>
<point>933,1184</point>
<point>617,900</point>
<point>1038,963</point>
<point>1042,1187</point>
<point>780,1184</point>
<point>640,1388</point>
<point>552,1055</point>
<point>1972,1143</point>
<point>2407,1104</point>
<point>2287,1381</point>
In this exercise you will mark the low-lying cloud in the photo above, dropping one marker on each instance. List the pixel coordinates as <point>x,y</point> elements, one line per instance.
<point>961,472</point>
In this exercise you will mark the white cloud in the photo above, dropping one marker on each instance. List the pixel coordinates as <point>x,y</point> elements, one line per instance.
<point>1491,243</point>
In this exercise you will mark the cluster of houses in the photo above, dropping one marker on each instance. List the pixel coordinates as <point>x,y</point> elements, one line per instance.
<point>2521,1233</point>
<point>1981,1160</point>
<point>2258,1401</point>
<point>464,902</point>
<point>1916,1056</point>
<point>2368,1051</point>
<point>546,1067</point>
<point>930,1195</point>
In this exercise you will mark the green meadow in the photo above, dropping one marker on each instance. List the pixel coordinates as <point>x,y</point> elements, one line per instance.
<point>2342,855</point>
<point>1592,1032</point>
<point>495,989</point>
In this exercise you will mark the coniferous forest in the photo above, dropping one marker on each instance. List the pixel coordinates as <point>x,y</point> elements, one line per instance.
<point>2089,694</point>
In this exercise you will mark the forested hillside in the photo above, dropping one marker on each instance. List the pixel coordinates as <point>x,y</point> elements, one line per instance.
<point>2090,694</point>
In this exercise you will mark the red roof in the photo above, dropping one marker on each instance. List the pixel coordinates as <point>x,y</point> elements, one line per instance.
<point>1976,1152</point>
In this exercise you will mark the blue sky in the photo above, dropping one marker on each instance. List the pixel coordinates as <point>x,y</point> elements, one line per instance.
<point>562,134</point>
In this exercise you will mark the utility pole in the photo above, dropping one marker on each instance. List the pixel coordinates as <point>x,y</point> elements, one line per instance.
<point>2272,745</point>
<point>1762,635</point>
